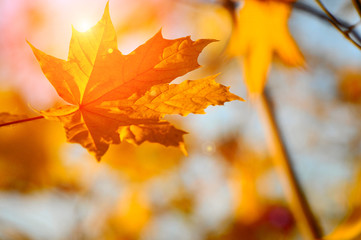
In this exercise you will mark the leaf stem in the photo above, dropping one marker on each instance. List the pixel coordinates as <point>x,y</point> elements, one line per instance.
<point>298,203</point>
<point>21,121</point>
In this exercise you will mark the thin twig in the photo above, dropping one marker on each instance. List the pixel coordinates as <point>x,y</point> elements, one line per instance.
<point>293,191</point>
<point>21,121</point>
<point>338,25</point>
<point>328,13</point>
<point>317,13</point>
<point>349,28</point>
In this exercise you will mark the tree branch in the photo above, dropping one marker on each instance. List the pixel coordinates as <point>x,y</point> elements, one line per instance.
<point>280,156</point>
<point>340,26</point>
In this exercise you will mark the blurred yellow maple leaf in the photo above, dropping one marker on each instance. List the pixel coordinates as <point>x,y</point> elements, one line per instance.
<point>261,32</point>
<point>141,163</point>
<point>110,92</point>
<point>36,163</point>
<point>350,227</point>
<point>349,86</point>
<point>130,216</point>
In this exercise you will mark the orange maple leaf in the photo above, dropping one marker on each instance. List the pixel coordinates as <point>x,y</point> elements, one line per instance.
<point>261,32</point>
<point>115,97</point>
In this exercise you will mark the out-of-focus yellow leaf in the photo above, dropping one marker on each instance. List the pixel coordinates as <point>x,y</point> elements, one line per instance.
<point>257,215</point>
<point>247,166</point>
<point>261,32</point>
<point>212,21</point>
<point>29,155</point>
<point>350,227</point>
<point>146,16</point>
<point>349,86</point>
<point>130,216</point>
<point>104,86</point>
<point>139,164</point>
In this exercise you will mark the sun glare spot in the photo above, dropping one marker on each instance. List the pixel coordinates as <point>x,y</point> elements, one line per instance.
<point>83,26</point>
<point>110,50</point>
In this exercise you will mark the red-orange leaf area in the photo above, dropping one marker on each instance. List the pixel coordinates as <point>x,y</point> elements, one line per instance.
<point>115,97</point>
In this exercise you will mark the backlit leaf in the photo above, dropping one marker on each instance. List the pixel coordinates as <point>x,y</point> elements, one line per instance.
<point>112,93</point>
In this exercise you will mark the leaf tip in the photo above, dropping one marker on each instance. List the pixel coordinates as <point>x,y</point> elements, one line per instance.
<point>73,30</point>
<point>159,34</point>
<point>239,98</point>
<point>36,51</point>
<point>106,7</point>
<point>183,149</point>
<point>106,11</point>
<point>233,96</point>
<point>31,45</point>
<point>207,41</point>
<point>98,157</point>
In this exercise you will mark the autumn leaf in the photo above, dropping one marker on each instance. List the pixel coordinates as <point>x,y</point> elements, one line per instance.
<point>130,215</point>
<point>350,226</point>
<point>261,32</point>
<point>349,86</point>
<point>111,93</point>
<point>141,163</point>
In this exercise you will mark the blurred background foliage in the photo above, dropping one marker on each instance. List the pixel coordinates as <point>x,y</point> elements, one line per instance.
<point>227,187</point>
